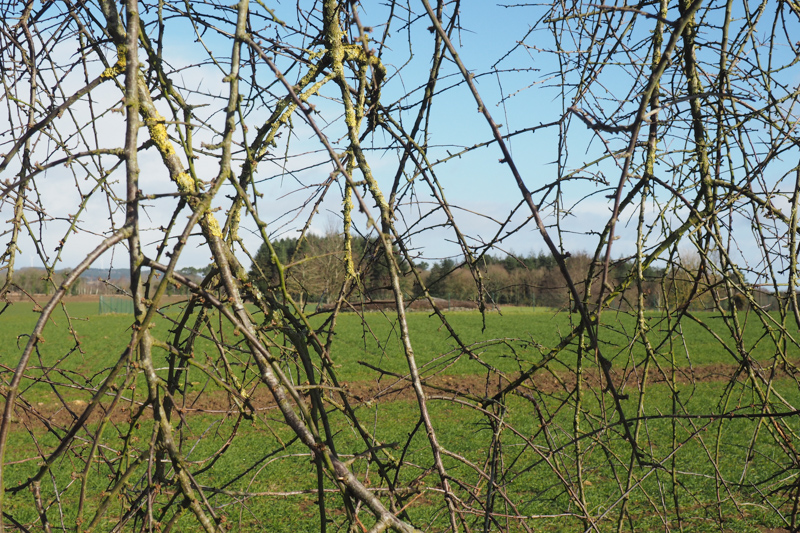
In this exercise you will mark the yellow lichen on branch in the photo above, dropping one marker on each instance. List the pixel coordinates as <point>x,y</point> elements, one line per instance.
<point>347,215</point>
<point>355,52</point>
<point>117,68</point>
<point>185,183</point>
<point>212,225</point>
<point>337,53</point>
<point>158,134</point>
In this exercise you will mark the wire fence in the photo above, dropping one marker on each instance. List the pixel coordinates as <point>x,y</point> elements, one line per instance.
<point>115,304</point>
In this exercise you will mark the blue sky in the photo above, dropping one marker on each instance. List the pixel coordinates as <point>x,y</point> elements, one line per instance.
<point>523,93</point>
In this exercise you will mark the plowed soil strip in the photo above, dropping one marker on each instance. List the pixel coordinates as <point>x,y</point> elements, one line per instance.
<point>390,389</point>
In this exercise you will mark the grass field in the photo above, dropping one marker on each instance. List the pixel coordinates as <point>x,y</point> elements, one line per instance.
<point>376,340</point>
<point>696,473</point>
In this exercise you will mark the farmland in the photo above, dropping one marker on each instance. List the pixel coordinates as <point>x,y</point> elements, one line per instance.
<point>305,205</point>
<point>696,472</point>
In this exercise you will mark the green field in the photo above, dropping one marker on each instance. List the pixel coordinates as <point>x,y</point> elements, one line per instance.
<point>375,340</point>
<point>698,473</point>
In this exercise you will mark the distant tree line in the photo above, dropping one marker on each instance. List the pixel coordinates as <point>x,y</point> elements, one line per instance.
<point>40,281</point>
<point>315,266</point>
<point>528,280</point>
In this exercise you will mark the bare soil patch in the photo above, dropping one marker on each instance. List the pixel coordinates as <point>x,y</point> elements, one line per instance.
<point>387,389</point>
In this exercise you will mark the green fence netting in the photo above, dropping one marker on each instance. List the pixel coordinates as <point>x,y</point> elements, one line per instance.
<point>115,304</point>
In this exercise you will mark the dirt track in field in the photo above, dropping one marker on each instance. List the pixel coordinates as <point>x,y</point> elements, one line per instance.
<point>397,389</point>
<point>473,387</point>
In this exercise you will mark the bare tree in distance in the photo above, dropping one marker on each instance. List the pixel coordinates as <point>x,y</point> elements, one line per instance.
<point>644,133</point>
